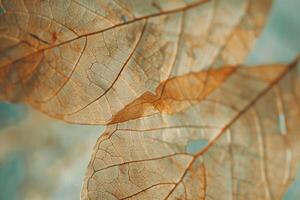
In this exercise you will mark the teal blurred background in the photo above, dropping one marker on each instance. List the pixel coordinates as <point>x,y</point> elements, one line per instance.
<point>42,158</point>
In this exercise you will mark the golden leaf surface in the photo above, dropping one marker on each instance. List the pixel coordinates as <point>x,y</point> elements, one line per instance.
<point>83,61</point>
<point>246,132</point>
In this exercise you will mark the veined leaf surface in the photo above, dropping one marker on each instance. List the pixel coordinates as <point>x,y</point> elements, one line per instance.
<point>240,141</point>
<point>83,61</point>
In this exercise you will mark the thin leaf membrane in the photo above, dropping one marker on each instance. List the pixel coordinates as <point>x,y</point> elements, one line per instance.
<point>84,61</point>
<point>249,128</point>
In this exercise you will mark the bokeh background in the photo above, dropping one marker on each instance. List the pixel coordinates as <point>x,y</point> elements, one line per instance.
<point>45,159</point>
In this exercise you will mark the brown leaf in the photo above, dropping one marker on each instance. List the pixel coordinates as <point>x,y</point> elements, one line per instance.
<point>246,132</point>
<point>84,61</point>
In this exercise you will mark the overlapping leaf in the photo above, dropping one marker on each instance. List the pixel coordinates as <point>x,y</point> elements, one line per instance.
<point>164,76</point>
<point>84,60</point>
<point>246,132</point>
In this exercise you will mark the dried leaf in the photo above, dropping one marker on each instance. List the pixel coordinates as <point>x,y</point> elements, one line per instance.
<point>184,121</point>
<point>246,132</point>
<point>83,61</point>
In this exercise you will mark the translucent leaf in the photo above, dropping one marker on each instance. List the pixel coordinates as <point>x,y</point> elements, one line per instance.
<point>246,130</point>
<point>83,61</point>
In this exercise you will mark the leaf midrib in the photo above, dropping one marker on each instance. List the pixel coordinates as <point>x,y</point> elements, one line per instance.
<point>237,117</point>
<point>190,6</point>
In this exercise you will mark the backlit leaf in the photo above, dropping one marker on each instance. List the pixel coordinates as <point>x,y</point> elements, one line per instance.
<point>184,119</point>
<point>84,60</point>
<point>240,141</point>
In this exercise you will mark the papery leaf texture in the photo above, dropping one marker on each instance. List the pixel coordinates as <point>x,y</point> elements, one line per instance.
<point>185,118</point>
<point>83,61</point>
<point>240,141</point>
